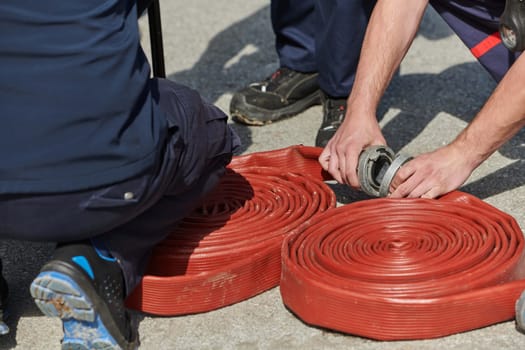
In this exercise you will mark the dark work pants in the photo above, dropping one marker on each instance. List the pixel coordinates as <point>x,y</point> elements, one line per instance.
<point>326,36</point>
<point>131,217</point>
<point>323,36</point>
<point>476,23</point>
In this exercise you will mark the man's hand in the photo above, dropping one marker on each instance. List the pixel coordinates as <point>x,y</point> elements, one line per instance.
<point>341,154</point>
<point>431,175</point>
<point>392,27</point>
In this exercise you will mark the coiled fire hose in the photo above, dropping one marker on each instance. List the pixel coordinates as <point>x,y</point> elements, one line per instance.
<point>229,249</point>
<point>405,269</point>
<point>380,268</point>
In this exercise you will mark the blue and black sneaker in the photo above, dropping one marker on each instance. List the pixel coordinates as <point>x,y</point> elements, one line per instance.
<point>4,291</point>
<point>85,288</point>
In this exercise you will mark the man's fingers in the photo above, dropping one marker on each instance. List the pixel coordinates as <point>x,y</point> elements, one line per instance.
<point>333,167</point>
<point>431,194</point>
<point>403,183</point>
<point>350,170</point>
<point>324,160</point>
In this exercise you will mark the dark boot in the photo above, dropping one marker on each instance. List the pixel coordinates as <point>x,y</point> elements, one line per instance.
<point>334,110</point>
<point>284,94</point>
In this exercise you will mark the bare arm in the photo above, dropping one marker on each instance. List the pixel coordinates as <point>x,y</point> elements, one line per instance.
<point>503,115</point>
<point>392,28</point>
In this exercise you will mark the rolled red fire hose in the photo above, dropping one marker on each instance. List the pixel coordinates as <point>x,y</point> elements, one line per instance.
<point>229,249</point>
<point>381,268</point>
<point>405,269</point>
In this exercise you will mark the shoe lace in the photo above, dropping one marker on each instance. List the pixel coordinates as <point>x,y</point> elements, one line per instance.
<point>273,81</point>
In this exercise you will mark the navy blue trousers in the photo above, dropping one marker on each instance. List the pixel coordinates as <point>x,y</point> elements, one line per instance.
<point>323,36</point>
<point>129,218</point>
<point>476,23</point>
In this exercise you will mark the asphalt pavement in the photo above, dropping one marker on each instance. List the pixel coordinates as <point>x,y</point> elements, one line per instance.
<point>217,47</point>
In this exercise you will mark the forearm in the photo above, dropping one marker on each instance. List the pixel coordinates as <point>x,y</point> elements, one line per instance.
<point>502,116</point>
<point>432,174</point>
<point>392,28</point>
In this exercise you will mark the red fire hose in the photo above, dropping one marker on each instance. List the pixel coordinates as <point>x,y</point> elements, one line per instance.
<point>229,249</point>
<point>405,269</point>
<point>381,268</point>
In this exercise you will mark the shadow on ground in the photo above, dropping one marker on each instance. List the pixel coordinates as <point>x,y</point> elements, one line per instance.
<point>244,53</point>
<point>22,262</point>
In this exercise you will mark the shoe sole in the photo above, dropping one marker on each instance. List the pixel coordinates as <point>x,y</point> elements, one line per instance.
<point>245,113</point>
<point>58,295</point>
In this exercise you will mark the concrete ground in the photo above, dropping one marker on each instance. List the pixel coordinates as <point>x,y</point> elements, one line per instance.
<point>217,47</point>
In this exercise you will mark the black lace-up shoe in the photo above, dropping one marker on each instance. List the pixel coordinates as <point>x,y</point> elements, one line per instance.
<point>85,288</point>
<point>4,291</point>
<point>284,94</point>
<point>333,115</point>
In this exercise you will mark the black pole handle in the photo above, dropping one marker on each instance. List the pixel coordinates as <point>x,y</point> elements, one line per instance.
<point>155,34</point>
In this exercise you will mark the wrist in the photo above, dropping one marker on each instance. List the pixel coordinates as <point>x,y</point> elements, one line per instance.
<point>360,109</point>
<point>469,152</point>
